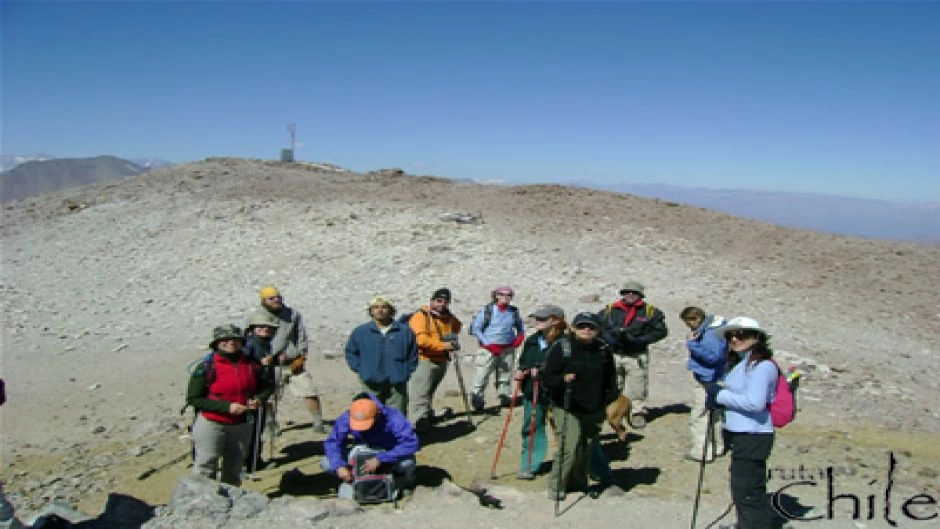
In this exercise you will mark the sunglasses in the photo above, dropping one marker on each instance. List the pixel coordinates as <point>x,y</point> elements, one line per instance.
<point>740,335</point>
<point>538,318</point>
<point>582,326</point>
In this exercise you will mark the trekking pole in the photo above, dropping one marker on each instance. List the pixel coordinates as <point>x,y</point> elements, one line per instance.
<point>256,449</point>
<point>532,417</point>
<point>502,436</point>
<point>463,389</point>
<point>272,434</point>
<point>561,447</point>
<point>709,431</point>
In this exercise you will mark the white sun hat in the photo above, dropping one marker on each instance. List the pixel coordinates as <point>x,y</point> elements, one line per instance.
<point>743,323</point>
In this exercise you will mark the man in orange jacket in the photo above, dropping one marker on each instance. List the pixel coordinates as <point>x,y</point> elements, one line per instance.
<point>436,330</point>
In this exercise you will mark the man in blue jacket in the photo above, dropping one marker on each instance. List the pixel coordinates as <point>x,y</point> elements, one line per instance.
<point>371,425</point>
<point>499,330</point>
<point>707,357</point>
<point>383,353</point>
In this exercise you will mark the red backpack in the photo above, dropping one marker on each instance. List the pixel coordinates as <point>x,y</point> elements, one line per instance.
<point>783,407</point>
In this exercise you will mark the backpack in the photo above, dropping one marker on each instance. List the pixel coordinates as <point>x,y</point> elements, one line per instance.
<point>206,365</point>
<point>487,316</point>
<point>370,488</point>
<point>406,317</point>
<point>783,407</point>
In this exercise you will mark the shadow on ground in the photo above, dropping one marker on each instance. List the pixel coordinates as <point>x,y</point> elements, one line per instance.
<point>628,478</point>
<point>442,433</point>
<point>299,451</point>
<point>655,413</point>
<point>296,483</point>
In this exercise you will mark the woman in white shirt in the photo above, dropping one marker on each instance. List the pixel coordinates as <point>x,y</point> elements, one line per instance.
<point>747,389</point>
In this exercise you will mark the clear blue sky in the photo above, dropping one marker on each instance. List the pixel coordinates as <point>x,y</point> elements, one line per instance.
<point>835,98</point>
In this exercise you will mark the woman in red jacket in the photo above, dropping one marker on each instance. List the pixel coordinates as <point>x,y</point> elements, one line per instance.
<point>224,390</point>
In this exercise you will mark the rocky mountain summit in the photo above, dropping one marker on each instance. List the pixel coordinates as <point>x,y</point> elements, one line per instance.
<point>111,290</point>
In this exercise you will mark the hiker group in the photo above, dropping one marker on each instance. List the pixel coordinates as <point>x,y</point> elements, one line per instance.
<point>573,376</point>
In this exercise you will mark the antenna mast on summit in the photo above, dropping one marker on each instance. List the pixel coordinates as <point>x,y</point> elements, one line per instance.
<point>292,128</point>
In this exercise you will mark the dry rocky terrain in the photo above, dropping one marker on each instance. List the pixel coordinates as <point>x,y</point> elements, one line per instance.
<point>111,290</point>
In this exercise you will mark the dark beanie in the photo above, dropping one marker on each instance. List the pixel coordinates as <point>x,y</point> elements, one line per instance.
<point>441,293</point>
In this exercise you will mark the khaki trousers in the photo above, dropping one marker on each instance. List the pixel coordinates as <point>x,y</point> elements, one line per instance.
<point>581,432</point>
<point>699,426</point>
<point>633,375</point>
<point>422,385</point>
<point>214,441</point>
<point>500,366</point>
<point>392,395</point>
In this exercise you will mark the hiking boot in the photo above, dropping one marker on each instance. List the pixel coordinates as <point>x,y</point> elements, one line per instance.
<point>638,420</point>
<point>522,474</point>
<point>555,496</point>
<point>477,402</point>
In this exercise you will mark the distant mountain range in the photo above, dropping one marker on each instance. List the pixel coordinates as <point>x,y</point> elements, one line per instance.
<point>915,222</point>
<point>36,176</point>
<point>9,161</point>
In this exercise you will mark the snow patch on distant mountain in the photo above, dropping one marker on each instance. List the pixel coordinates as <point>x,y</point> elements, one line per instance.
<point>9,161</point>
<point>150,163</point>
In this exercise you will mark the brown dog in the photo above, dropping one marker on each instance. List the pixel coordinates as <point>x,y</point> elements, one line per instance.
<point>616,411</point>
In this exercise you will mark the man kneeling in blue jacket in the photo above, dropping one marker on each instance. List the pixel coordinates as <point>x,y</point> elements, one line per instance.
<point>380,433</point>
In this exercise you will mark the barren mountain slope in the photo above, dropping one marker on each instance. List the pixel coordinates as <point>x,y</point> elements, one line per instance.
<point>112,289</point>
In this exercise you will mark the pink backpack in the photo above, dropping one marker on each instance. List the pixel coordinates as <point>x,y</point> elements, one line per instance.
<point>783,407</point>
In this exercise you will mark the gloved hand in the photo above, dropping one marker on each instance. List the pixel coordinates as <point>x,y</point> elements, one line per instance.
<point>494,348</point>
<point>518,341</point>
<point>711,396</point>
<point>626,336</point>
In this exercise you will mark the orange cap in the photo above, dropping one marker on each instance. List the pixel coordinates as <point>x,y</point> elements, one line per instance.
<point>362,414</point>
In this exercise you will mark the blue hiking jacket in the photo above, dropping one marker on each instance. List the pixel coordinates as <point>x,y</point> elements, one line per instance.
<point>378,358</point>
<point>707,353</point>
<point>390,432</point>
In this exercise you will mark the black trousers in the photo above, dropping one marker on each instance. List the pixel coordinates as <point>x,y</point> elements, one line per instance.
<point>749,454</point>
